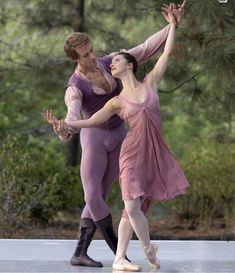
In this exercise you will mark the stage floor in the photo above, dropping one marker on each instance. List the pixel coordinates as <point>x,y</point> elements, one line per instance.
<point>50,256</point>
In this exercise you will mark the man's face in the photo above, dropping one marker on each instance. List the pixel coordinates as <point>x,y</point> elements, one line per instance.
<point>87,56</point>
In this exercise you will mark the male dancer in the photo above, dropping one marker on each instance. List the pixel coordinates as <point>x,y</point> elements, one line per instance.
<point>89,88</point>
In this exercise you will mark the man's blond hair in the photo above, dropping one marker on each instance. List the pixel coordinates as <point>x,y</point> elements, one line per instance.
<point>73,41</point>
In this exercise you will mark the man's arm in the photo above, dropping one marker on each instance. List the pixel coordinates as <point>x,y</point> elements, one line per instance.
<point>73,101</point>
<point>146,50</point>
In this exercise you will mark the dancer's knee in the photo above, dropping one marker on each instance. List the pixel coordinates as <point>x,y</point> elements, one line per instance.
<point>132,208</point>
<point>93,201</point>
<point>124,214</point>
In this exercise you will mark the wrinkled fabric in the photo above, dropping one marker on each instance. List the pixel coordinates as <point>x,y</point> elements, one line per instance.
<point>148,169</point>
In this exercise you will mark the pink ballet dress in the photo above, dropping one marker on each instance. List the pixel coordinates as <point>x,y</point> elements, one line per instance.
<point>148,169</point>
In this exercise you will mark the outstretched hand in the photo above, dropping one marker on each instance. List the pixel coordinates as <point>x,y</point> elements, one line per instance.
<point>59,126</point>
<point>49,117</point>
<point>177,12</point>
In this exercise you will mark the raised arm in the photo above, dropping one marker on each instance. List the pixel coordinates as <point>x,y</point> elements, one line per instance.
<point>147,49</point>
<point>110,108</point>
<point>155,76</point>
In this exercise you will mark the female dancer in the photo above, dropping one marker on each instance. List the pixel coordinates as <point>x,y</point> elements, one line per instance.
<point>148,170</point>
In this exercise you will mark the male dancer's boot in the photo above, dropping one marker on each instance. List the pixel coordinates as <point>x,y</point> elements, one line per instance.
<point>105,226</point>
<point>87,229</point>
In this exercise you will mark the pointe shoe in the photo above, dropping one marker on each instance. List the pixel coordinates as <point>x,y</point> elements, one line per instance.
<point>124,265</point>
<point>151,252</point>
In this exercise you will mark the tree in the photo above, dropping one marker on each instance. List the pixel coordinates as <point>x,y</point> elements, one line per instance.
<point>72,146</point>
<point>197,95</point>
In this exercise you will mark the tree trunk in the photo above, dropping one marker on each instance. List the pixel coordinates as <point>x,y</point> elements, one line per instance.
<point>73,149</point>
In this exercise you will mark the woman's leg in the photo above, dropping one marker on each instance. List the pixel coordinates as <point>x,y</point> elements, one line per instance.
<point>125,232</point>
<point>141,228</point>
<point>138,220</point>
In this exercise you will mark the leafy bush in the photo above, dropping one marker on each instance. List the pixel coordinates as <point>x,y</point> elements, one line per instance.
<point>209,166</point>
<point>34,183</point>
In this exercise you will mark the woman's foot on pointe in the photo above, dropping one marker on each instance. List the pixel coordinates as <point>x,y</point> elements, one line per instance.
<point>151,254</point>
<point>123,265</point>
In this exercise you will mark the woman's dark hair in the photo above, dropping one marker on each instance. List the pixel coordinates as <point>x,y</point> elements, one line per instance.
<point>130,59</point>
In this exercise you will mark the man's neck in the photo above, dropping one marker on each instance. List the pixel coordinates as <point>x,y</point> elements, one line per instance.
<point>86,69</point>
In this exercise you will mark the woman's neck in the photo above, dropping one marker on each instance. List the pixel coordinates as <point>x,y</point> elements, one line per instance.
<point>129,82</point>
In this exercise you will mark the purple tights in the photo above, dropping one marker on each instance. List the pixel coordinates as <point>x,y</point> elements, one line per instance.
<point>99,167</point>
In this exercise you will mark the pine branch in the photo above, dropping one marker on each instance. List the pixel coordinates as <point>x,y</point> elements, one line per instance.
<point>181,84</point>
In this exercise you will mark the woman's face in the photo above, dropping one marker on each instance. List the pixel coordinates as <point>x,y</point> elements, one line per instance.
<point>119,66</point>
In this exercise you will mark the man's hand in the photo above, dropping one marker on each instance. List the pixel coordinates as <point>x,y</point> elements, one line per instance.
<point>178,12</point>
<point>49,117</point>
<point>62,129</point>
<point>59,126</point>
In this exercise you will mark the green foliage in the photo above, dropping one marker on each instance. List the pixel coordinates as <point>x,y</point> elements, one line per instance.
<point>33,70</point>
<point>115,199</point>
<point>197,97</point>
<point>209,166</point>
<point>34,182</point>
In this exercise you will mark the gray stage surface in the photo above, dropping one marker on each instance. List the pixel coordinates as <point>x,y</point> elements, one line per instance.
<point>34,256</point>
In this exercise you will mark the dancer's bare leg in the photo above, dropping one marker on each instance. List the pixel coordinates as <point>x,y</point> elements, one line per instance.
<point>141,228</point>
<point>138,220</point>
<point>125,232</point>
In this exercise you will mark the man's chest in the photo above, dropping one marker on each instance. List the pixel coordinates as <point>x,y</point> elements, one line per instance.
<point>100,81</point>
